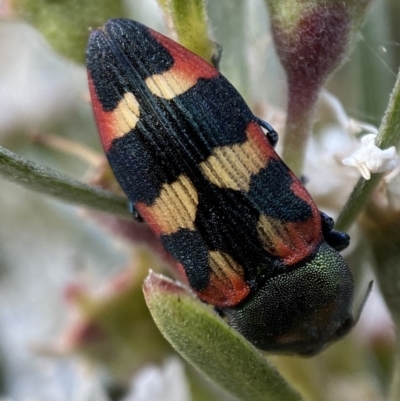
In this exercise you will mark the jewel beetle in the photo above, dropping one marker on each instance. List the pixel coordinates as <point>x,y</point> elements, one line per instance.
<point>200,168</point>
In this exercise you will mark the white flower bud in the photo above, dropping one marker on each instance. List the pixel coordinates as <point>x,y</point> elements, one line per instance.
<point>371,159</point>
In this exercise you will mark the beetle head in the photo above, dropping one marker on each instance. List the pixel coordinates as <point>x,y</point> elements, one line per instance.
<point>300,311</point>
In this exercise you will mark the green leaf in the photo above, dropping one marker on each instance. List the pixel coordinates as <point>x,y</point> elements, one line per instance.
<point>213,347</point>
<point>45,180</point>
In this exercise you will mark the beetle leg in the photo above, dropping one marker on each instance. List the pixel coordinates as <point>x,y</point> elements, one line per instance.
<point>336,239</point>
<point>327,223</point>
<point>271,134</point>
<point>216,57</point>
<point>132,210</point>
<point>304,180</point>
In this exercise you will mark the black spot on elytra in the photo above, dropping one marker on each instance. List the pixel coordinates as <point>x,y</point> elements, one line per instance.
<point>190,249</point>
<point>271,191</point>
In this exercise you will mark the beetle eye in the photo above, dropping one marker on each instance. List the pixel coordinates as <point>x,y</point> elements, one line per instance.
<point>345,327</point>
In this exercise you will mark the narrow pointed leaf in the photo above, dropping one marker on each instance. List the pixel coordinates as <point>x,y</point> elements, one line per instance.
<point>45,180</point>
<point>207,342</point>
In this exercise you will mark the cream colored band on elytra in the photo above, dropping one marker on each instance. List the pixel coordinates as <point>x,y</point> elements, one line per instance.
<point>176,206</point>
<point>273,234</point>
<point>126,114</point>
<point>223,266</point>
<point>233,166</point>
<point>170,84</point>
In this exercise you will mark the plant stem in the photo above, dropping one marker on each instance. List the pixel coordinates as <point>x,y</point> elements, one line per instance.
<point>394,394</point>
<point>45,180</point>
<point>389,135</point>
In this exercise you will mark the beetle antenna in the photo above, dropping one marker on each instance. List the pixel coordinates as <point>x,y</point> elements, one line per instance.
<point>363,302</point>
